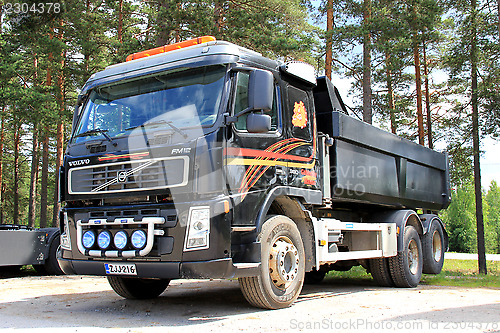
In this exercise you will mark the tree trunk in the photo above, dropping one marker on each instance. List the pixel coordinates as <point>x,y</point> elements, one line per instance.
<point>329,38</point>
<point>59,160</point>
<point>162,32</point>
<point>367,72</point>
<point>428,102</point>
<point>418,84</point>
<point>17,139</point>
<point>498,12</point>
<point>390,92</point>
<point>476,146</point>
<point>33,179</point>
<point>34,163</point>
<point>60,140</point>
<point>1,165</point>
<point>219,18</point>
<point>44,181</point>
<point>120,21</point>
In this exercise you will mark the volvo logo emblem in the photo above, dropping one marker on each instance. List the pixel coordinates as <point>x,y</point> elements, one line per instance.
<point>122,176</point>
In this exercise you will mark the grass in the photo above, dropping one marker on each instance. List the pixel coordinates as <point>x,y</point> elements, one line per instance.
<point>464,273</point>
<point>458,273</point>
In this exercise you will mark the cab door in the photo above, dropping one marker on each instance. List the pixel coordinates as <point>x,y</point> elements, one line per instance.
<point>254,162</point>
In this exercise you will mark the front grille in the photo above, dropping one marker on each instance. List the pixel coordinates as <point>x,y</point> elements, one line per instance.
<point>112,214</point>
<point>137,214</point>
<point>129,176</point>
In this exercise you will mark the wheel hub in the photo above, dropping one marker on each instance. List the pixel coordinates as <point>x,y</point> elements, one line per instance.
<point>283,262</point>
<point>413,257</point>
<point>437,246</point>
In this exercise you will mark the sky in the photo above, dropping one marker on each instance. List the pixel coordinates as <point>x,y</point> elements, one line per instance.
<point>490,159</point>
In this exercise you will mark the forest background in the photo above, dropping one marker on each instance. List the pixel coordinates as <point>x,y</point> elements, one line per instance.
<point>427,70</point>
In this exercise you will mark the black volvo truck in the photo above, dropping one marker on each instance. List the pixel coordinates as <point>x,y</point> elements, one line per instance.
<point>204,159</point>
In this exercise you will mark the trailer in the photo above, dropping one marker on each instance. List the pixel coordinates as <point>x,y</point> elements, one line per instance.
<point>205,159</point>
<point>29,246</point>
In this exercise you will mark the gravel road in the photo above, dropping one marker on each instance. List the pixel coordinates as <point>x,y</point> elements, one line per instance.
<point>83,304</point>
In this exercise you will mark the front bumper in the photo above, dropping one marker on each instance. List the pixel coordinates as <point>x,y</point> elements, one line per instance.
<point>210,269</point>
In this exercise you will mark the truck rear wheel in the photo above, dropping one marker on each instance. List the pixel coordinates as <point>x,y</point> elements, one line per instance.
<point>282,266</point>
<point>136,288</point>
<point>406,267</point>
<point>379,269</point>
<point>433,248</point>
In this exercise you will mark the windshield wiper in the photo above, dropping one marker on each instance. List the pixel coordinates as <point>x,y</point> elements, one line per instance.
<point>97,131</point>
<point>159,122</point>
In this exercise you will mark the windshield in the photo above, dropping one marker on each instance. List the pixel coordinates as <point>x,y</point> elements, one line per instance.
<point>175,99</point>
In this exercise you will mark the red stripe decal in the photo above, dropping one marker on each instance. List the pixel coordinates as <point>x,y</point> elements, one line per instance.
<point>246,152</point>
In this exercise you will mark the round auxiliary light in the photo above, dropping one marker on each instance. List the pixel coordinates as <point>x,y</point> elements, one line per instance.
<point>120,240</point>
<point>104,239</point>
<point>138,239</point>
<point>88,239</point>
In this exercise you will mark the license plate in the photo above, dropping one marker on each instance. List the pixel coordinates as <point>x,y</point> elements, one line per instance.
<point>120,269</point>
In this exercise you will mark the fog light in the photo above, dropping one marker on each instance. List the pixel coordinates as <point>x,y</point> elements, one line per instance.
<point>104,239</point>
<point>88,239</point>
<point>138,239</point>
<point>120,240</point>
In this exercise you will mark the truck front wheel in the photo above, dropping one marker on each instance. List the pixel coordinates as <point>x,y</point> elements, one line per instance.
<point>282,266</point>
<point>136,288</point>
<point>406,266</point>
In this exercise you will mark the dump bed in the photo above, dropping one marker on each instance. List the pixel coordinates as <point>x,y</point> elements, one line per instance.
<point>373,166</point>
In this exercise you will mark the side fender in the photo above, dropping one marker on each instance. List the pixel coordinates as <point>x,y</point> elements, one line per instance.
<point>428,219</point>
<point>50,235</point>
<point>309,197</point>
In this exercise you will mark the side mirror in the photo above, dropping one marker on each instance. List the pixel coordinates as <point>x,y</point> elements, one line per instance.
<point>76,114</point>
<point>258,123</point>
<point>76,111</point>
<point>260,90</point>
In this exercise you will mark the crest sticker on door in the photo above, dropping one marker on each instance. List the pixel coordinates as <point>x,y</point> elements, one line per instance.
<point>299,118</point>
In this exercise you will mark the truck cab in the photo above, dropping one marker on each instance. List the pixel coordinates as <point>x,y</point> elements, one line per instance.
<point>204,160</point>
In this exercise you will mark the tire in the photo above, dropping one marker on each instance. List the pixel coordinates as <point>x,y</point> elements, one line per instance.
<point>137,288</point>
<point>282,266</point>
<point>433,248</point>
<point>314,277</point>
<point>51,266</point>
<point>379,269</point>
<point>406,266</point>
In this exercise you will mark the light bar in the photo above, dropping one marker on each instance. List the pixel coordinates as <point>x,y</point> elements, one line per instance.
<point>171,47</point>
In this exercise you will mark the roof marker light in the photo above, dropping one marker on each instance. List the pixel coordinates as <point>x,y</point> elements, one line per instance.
<point>171,47</point>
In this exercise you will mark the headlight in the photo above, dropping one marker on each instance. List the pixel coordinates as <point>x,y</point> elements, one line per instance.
<point>138,239</point>
<point>198,229</point>
<point>88,239</point>
<point>65,238</point>
<point>104,239</point>
<point>120,240</point>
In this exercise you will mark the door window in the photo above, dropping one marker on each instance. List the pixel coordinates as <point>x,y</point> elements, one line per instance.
<point>241,103</point>
<point>300,107</point>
